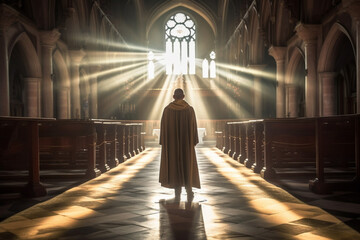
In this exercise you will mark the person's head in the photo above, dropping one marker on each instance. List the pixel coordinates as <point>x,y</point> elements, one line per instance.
<point>178,94</point>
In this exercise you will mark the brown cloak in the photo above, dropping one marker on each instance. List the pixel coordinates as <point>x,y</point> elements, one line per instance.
<point>178,137</point>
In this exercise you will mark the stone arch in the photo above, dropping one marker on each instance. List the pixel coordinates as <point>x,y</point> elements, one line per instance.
<point>282,24</point>
<point>330,48</point>
<point>62,97</point>
<point>265,20</point>
<point>295,84</point>
<point>32,63</point>
<point>265,12</point>
<point>257,45</point>
<point>84,92</point>
<point>24,78</point>
<point>337,72</point>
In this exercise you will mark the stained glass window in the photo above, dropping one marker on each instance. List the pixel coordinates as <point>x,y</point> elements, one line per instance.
<point>180,45</point>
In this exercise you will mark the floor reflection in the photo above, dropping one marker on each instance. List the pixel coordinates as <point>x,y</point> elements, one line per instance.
<point>181,220</point>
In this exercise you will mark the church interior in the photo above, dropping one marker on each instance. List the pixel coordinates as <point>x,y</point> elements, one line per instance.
<point>273,83</point>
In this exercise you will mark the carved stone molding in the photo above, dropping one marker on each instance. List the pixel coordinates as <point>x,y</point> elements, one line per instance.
<point>278,53</point>
<point>77,55</point>
<point>307,32</point>
<point>49,38</point>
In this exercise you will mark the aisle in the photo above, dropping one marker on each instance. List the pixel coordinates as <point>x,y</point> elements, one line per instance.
<point>128,203</point>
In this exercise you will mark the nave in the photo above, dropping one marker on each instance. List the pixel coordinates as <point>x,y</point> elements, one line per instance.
<point>128,203</point>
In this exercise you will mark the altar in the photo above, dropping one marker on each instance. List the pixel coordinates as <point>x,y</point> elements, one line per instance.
<point>201,134</point>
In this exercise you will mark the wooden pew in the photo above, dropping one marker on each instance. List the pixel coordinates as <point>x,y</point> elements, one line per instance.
<point>325,147</point>
<point>259,146</point>
<point>336,164</point>
<point>107,143</point>
<point>288,143</point>
<point>234,138</point>
<point>242,142</point>
<point>77,137</point>
<point>250,144</point>
<point>226,139</point>
<point>19,150</point>
<point>120,143</point>
<point>219,139</point>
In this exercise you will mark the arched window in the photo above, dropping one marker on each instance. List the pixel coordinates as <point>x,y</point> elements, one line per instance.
<point>212,65</point>
<point>205,68</point>
<point>151,67</point>
<point>180,44</point>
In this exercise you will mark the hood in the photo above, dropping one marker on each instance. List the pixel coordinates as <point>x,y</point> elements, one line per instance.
<point>178,105</point>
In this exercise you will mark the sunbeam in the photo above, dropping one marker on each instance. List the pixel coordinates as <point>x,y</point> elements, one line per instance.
<point>248,70</point>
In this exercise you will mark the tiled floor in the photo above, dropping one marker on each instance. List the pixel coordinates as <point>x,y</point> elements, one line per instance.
<point>128,203</point>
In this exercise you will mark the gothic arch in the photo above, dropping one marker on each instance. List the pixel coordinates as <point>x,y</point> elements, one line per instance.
<point>337,58</point>
<point>330,48</point>
<point>31,59</point>
<point>84,92</point>
<point>296,57</point>
<point>24,78</point>
<point>295,83</point>
<point>265,19</point>
<point>62,86</point>
<point>282,24</point>
<point>257,46</point>
<point>265,13</point>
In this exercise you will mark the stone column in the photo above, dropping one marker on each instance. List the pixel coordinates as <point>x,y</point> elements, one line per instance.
<point>279,55</point>
<point>293,101</point>
<point>94,92</point>
<point>258,90</point>
<point>309,34</point>
<point>47,40</point>
<point>64,106</point>
<point>353,7</point>
<point>328,93</point>
<point>32,96</point>
<point>7,18</point>
<point>76,57</point>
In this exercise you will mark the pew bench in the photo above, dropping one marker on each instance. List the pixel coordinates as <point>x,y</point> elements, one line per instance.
<point>19,153</point>
<point>74,140</point>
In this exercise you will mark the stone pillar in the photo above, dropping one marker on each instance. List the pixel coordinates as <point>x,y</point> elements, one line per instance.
<point>32,96</point>
<point>94,92</point>
<point>76,57</point>
<point>353,7</point>
<point>64,105</point>
<point>7,18</point>
<point>293,101</point>
<point>258,90</point>
<point>309,34</point>
<point>47,40</point>
<point>328,93</point>
<point>279,55</point>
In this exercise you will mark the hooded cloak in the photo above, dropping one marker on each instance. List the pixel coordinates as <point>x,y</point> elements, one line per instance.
<point>178,137</point>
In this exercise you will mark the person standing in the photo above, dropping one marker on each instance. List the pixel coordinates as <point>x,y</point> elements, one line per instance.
<point>178,138</point>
